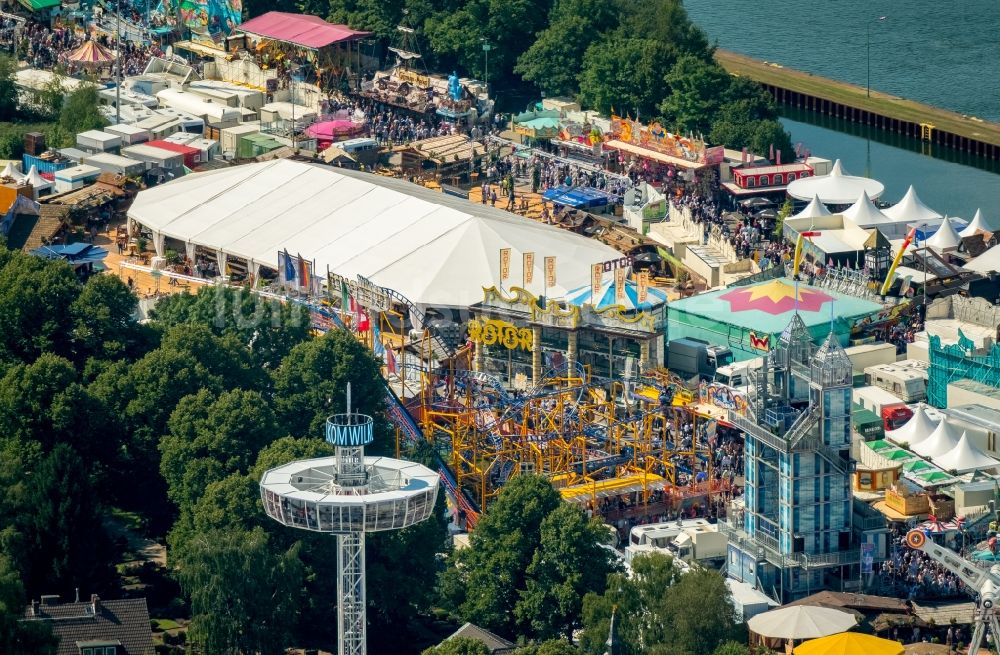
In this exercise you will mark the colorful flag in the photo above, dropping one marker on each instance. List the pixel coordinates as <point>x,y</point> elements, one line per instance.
<point>550,272</point>
<point>364,323</point>
<point>390,361</point>
<point>596,273</point>
<point>289,269</point>
<point>303,272</point>
<point>529,268</point>
<point>377,340</point>
<point>345,297</point>
<point>504,265</point>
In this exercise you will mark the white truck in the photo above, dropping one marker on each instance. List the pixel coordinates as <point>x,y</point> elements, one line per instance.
<point>703,545</point>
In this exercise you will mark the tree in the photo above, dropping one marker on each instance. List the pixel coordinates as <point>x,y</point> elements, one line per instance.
<point>550,647</point>
<point>210,437</point>
<point>553,60</point>
<point>245,594</point>
<point>267,328</point>
<point>104,324</point>
<point>667,22</point>
<point>64,545</point>
<point>732,648</point>
<point>289,449</point>
<point>44,403</point>
<point>35,295</point>
<point>696,88</point>
<point>311,383</point>
<point>19,637</point>
<point>459,646</point>
<point>485,580</point>
<point>659,611</point>
<point>8,88</point>
<point>569,563</point>
<point>701,613</point>
<point>79,111</point>
<point>625,73</point>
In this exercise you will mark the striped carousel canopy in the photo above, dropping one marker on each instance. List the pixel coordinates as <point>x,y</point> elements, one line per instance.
<point>92,53</point>
<point>607,296</point>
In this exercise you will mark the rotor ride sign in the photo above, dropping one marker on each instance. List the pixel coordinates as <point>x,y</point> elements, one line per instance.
<point>504,264</point>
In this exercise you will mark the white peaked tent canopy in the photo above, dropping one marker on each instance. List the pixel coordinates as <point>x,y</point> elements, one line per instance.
<point>965,457</point>
<point>836,188</point>
<point>946,237</point>
<point>978,224</point>
<point>814,209</point>
<point>987,262</point>
<point>911,209</point>
<point>919,427</point>
<point>11,172</point>
<point>435,249</point>
<point>36,180</point>
<point>801,622</point>
<point>864,213</point>
<point>943,439</point>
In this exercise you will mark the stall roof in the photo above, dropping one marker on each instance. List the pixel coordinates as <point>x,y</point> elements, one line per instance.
<point>300,29</point>
<point>837,188</point>
<point>435,249</point>
<point>654,155</point>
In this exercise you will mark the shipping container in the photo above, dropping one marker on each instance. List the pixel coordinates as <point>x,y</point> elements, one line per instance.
<point>74,155</point>
<point>231,136</point>
<point>98,141</point>
<point>43,165</point>
<point>255,145</point>
<point>130,134</point>
<point>197,105</point>
<point>154,156</point>
<point>75,177</point>
<point>117,164</point>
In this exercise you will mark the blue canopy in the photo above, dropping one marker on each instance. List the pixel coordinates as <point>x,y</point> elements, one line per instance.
<point>606,298</point>
<point>577,197</point>
<point>76,254</point>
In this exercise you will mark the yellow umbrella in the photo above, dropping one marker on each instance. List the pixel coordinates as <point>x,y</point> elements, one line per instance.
<point>849,643</point>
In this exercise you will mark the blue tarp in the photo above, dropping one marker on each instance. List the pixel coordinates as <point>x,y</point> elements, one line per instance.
<point>76,254</point>
<point>577,197</point>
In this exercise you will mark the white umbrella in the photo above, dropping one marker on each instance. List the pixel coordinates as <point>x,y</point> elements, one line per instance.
<point>801,622</point>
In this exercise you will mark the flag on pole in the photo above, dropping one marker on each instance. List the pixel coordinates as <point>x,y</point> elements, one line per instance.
<point>504,265</point>
<point>778,153</point>
<point>390,361</point>
<point>345,297</point>
<point>289,269</point>
<point>771,153</point>
<point>303,271</point>
<point>364,323</point>
<point>529,268</point>
<point>377,346</point>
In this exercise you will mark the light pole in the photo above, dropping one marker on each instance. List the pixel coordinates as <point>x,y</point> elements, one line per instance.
<point>868,47</point>
<point>486,64</point>
<point>118,62</point>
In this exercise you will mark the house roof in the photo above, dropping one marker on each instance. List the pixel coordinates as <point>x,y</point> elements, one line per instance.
<point>495,643</point>
<point>300,29</point>
<point>860,602</point>
<point>125,620</point>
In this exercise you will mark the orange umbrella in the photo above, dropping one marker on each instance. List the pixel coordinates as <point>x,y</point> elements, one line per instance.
<point>850,643</point>
<point>91,53</point>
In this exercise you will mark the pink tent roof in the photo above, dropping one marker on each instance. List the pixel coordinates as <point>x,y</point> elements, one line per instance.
<point>300,29</point>
<point>334,128</point>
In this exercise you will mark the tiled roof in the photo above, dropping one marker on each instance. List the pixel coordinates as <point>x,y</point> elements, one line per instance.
<point>496,644</point>
<point>125,620</point>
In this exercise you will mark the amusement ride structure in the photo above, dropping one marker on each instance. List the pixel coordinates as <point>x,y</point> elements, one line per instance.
<point>348,495</point>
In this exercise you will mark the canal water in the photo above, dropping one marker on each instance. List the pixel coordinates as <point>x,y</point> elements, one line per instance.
<point>939,53</point>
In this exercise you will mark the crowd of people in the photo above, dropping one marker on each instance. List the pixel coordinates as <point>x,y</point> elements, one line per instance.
<point>915,573</point>
<point>47,48</point>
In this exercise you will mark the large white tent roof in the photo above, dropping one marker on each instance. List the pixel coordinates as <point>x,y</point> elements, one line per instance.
<point>433,248</point>
<point>910,208</point>
<point>916,429</point>
<point>946,237</point>
<point>836,188</point>
<point>814,209</point>
<point>978,224</point>
<point>987,262</point>
<point>965,457</point>
<point>864,213</point>
<point>943,439</point>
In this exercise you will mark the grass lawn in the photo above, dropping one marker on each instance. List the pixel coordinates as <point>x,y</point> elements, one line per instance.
<point>161,625</point>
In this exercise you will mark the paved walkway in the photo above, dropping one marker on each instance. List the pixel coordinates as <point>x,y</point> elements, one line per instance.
<point>145,285</point>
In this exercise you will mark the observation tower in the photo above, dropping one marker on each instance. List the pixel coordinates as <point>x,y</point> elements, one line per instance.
<point>348,495</point>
